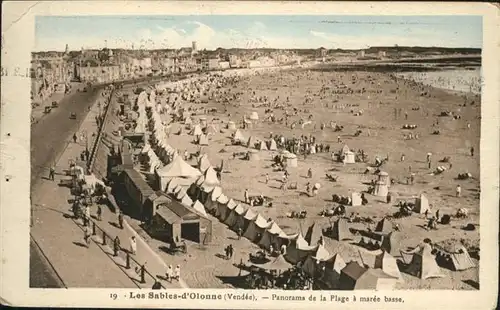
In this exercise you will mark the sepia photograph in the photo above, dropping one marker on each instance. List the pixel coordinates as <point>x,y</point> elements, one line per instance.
<point>274,152</point>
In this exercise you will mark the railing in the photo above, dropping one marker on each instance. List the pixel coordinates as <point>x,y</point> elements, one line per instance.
<point>131,265</point>
<point>100,130</point>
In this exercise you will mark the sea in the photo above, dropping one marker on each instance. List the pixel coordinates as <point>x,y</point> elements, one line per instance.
<point>462,80</point>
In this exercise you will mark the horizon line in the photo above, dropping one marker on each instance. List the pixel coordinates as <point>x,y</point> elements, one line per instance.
<point>267,48</point>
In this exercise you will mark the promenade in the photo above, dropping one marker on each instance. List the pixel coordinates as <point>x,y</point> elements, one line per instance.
<point>61,237</point>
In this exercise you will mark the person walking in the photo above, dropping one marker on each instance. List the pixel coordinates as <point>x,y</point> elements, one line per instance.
<point>267,178</point>
<point>87,235</point>
<point>116,246</point>
<point>309,173</point>
<point>458,191</point>
<point>240,233</point>
<point>74,138</point>
<point>170,273</point>
<point>52,173</point>
<point>120,219</point>
<point>403,157</point>
<point>87,215</point>
<point>133,245</point>
<point>99,213</point>
<point>472,151</point>
<point>177,273</point>
<point>245,195</point>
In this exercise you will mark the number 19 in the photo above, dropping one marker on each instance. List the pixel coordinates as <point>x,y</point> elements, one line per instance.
<point>113,296</point>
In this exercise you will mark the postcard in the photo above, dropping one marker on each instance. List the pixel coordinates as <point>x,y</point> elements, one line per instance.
<point>257,155</point>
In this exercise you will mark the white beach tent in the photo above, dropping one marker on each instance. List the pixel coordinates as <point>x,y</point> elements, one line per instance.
<point>349,158</point>
<point>178,168</point>
<point>256,228</point>
<point>198,206</point>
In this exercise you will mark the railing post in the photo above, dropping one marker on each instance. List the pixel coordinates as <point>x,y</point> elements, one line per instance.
<point>93,228</point>
<point>103,238</point>
<point>143,269</point>
<point>128,261</point>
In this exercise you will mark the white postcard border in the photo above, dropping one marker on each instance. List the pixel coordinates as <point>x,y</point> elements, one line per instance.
<point>17,44</point>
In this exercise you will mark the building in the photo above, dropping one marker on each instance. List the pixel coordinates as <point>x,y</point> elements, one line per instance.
<point>194,47</point>
<point>96,73</point>
<point>234,61</point>
<point>361,54</point>
<point>138,191</point>
<point>170,220</point>
<point>382,54</point>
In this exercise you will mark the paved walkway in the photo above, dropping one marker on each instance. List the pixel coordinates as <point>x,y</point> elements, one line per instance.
<point>62,241</point>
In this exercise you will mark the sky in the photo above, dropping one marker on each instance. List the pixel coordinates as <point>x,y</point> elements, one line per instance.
<point>246,31</point>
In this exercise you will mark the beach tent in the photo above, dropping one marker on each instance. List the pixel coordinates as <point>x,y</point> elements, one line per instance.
<point>313,234</point>
<point>421,262</point>
<point>249,217</point>
<point>391,243</point>
<point>202,140</point>
<point>279,264</point>
<point>356,277</point>
<point>211,202</point>
<point>253,155</point>
<point>146,148</point>
<point>290,160</point>
<point>195,188</point>
<point>186,201</point>
<point>211,130</point>
<point>421,204</point>
<point>299,249</point>
<point>203,163</point>
<point>254,116</point>
<point>235,217</point>
<point>238,137</point>
<point>252,141</point>
<point>454,257</point>
<point>380,259</point>
<point>198,206</point>
<point>349,158</point>
<point>262,146</point>
<point>172,185</point>
<point>179,192</point>
<point>203,122</point>
<point>381,189</point>
<point>341,230</point>
<point>221,206</point>
<point>331,270</point>
<point>206,188</point>
<point>271,236</point>
<point>231,125</point>
<point>355,199</point>
<point>384,178</point>
<point>196,131</point>
<point>178,168</point>
<point>211,179</point>
<point>312,264</point>
<point>344,150</point>
<point>384,226</point>
<point>272,145</point>
<point>256,228</point>
<point>225,210</point>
